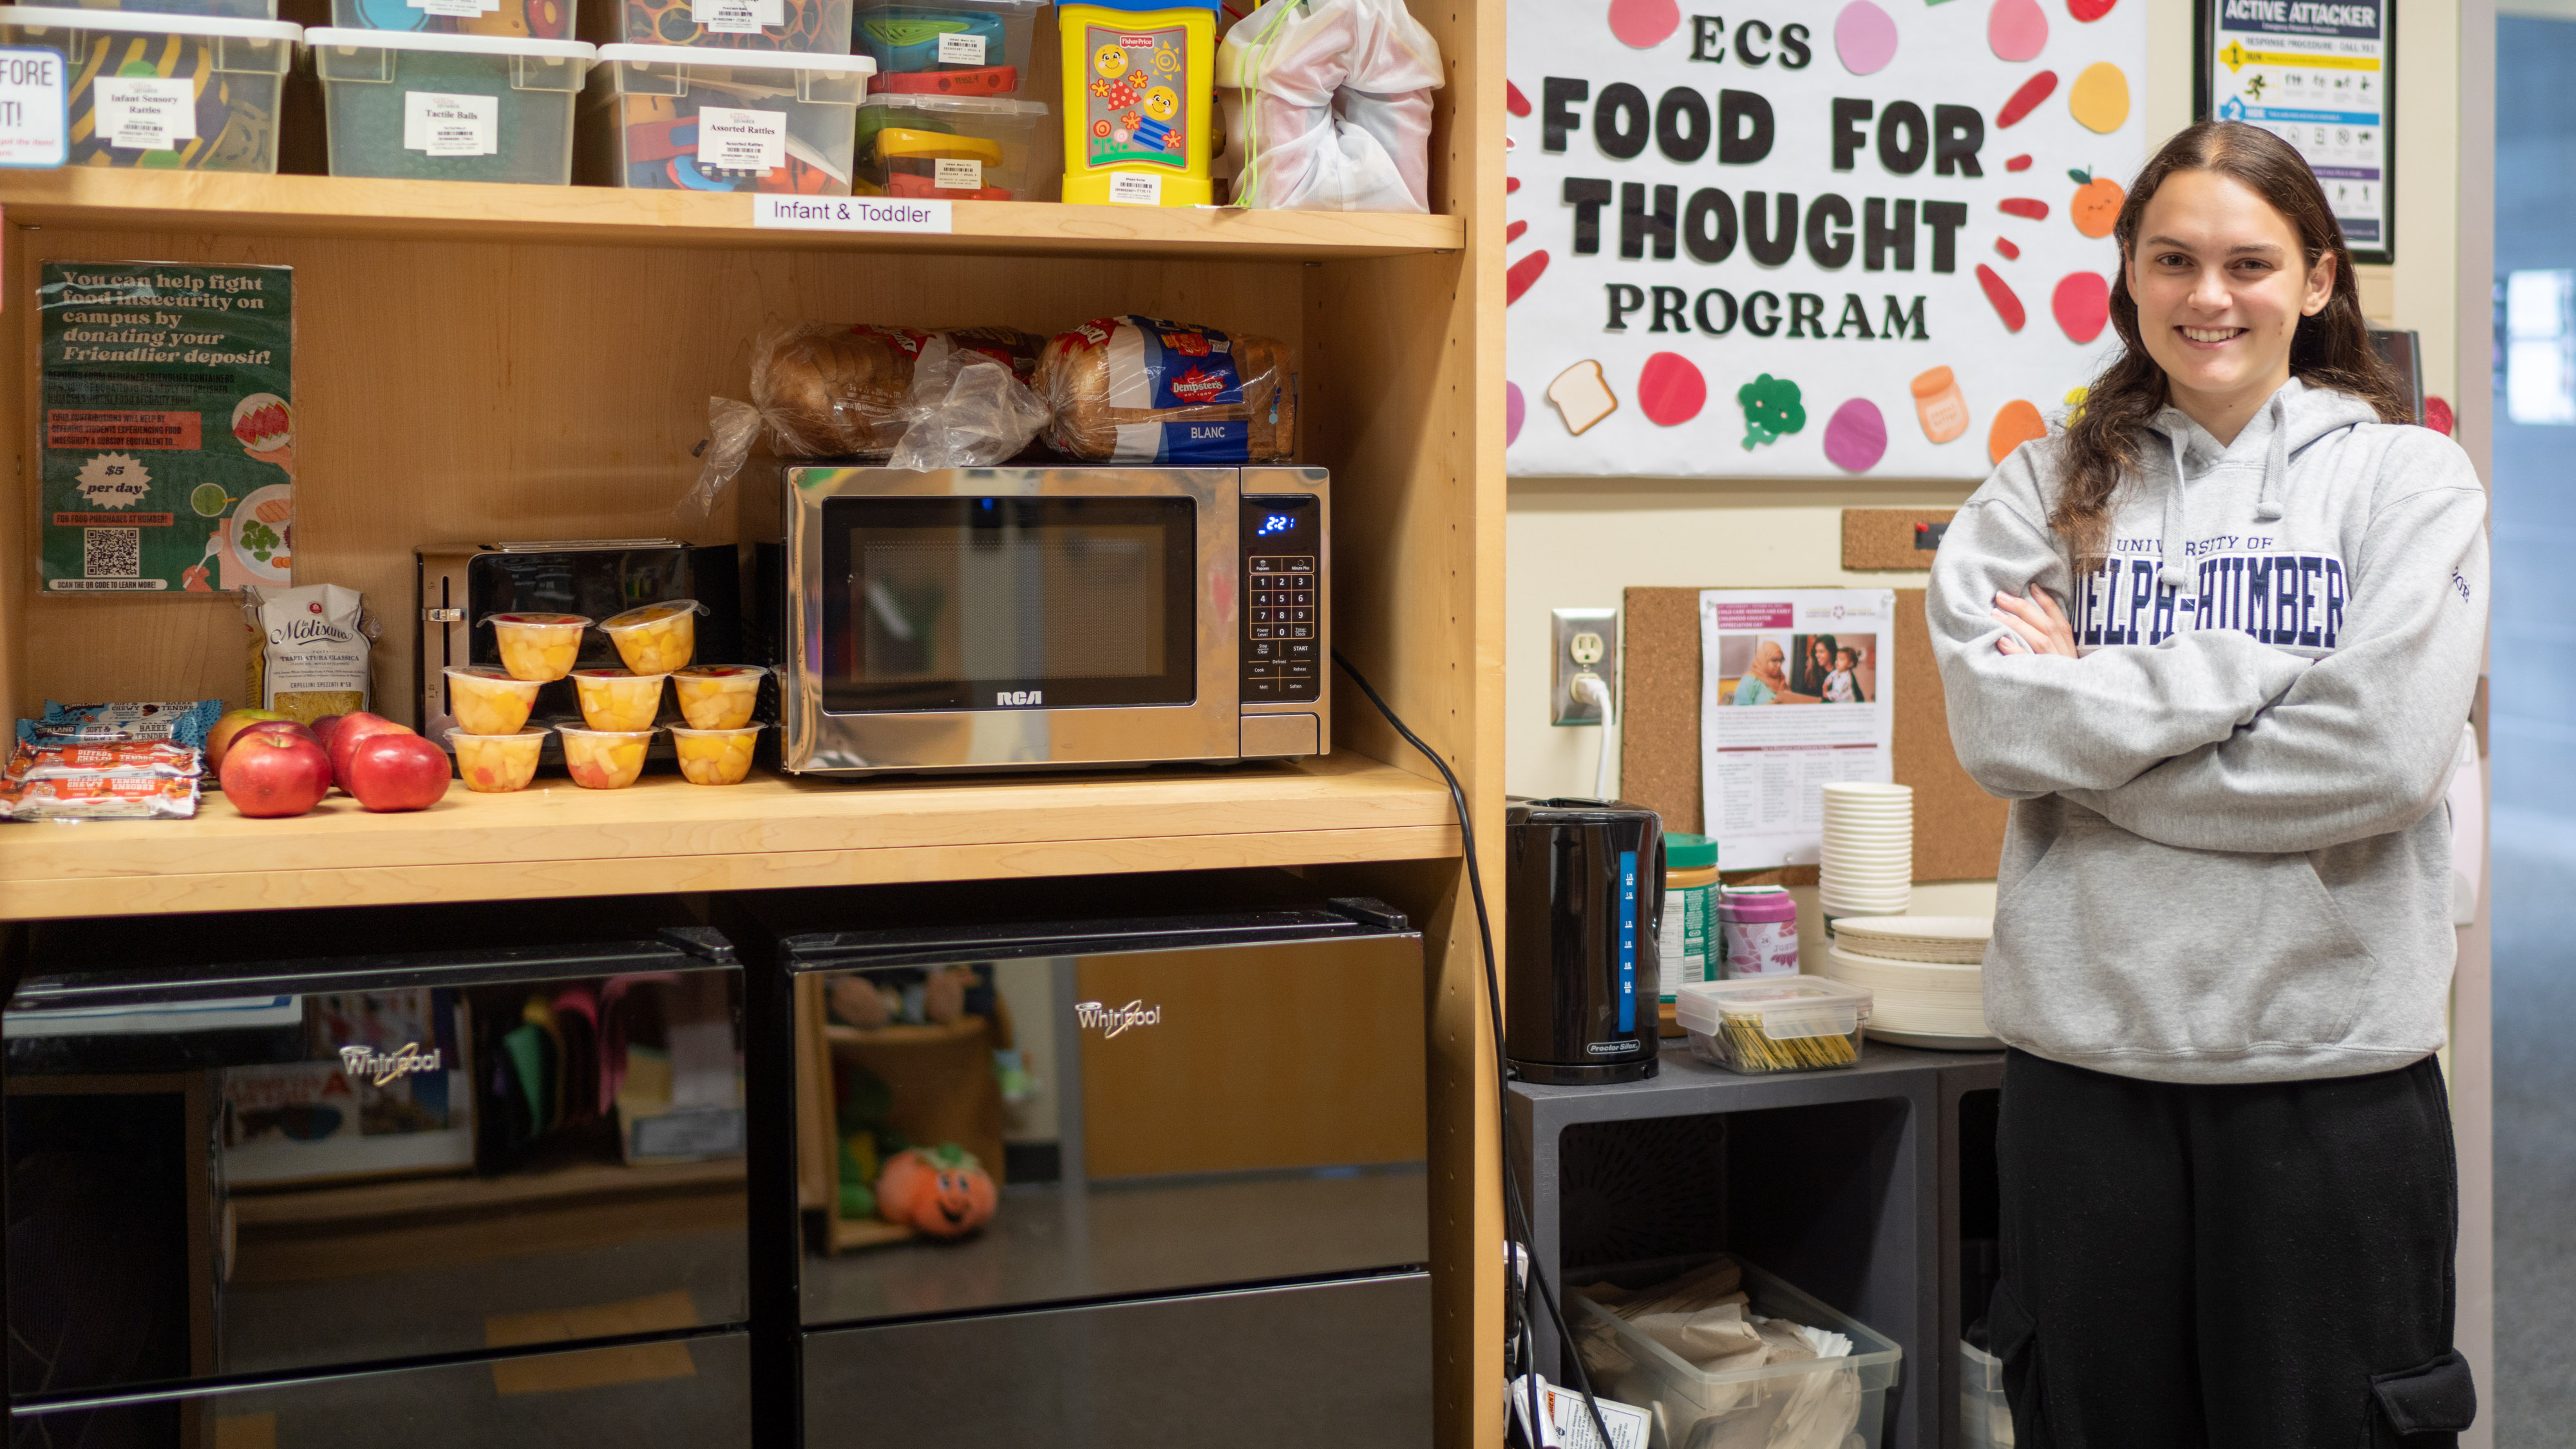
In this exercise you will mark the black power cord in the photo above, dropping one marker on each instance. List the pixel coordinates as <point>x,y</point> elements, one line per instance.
<point>1516,1218</point>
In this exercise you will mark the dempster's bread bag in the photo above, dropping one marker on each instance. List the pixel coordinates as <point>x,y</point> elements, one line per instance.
<point>1142,390</point>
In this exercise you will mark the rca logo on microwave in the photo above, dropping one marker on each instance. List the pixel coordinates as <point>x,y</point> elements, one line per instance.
<point>1005,698</point>
<point>365,1063</point>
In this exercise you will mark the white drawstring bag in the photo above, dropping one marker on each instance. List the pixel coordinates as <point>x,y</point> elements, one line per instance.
<point>1327,106</point>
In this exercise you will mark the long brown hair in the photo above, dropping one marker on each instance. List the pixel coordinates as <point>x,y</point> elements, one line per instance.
<point>2330,349</point>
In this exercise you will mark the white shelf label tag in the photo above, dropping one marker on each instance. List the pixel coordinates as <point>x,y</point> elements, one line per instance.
<point>445,125</point>
<point>738,17</point>
<point>460,9</point>
<point>1136,188</point>
<point>731,140</point>
<point>32,114</point>
<point>961,50</point>
<point>145,113</point>
<point>849,213</point>
<point>951,175</point>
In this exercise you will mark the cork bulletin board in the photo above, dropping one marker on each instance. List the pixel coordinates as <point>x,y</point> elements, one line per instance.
<point>1958,828</point>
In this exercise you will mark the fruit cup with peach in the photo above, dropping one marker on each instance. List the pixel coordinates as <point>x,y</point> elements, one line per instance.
<point>714,757</point>
<point>604,759</point>
<point>618,699</point>
<point>657,638</point>
<point>541,647</point>
<point>489,701</point>
<point>718,696</point>
<point>495,764</point>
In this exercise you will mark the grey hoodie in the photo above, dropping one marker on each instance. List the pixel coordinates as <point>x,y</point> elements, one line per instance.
<point>2225,863</point>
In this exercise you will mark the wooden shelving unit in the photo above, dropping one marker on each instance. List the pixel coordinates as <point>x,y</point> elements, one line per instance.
<point>100,198</point>
<point>665,834</point>
<point>532,362</point>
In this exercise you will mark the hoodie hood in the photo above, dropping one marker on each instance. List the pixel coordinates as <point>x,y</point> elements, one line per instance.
<point>2293,418</point>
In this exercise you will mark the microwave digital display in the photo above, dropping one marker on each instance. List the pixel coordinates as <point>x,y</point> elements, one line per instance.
<point>948,603</point>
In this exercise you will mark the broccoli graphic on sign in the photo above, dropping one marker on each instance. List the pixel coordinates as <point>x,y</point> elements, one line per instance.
<point>1771,409</point>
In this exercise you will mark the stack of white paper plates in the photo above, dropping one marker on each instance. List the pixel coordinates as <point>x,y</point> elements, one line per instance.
<point>1925,974</point>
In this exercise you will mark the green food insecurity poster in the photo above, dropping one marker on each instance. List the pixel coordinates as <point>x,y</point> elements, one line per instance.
<point>169,403</point>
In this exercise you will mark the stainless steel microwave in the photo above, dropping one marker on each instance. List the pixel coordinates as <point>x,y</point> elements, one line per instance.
<point>1029,618</point>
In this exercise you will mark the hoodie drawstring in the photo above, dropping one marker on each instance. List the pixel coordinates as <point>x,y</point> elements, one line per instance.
<point>2276,460</point>
<point>2173,575</point>
<point>2267,498</point>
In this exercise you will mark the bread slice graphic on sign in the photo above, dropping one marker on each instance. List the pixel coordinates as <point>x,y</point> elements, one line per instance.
<point>1582,395</point>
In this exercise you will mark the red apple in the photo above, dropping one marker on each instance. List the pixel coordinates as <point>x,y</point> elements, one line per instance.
<point>286,727</point>
<point>323,727</point>
<point>270,772</point>
<point>352,728</point>
<point>389,771</point>
<point>220,738</point>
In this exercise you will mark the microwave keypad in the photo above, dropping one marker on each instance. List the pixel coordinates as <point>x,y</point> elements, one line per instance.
<point>1282,650</point>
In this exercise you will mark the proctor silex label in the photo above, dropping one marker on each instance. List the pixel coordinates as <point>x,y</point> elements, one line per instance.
<point>445,125</point>
<point>145,113</point>
<point>730,140</point>
<point>32,113</point>
<point>738,17</point>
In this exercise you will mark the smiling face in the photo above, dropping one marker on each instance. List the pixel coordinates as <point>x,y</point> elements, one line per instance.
<point>2220,282</point>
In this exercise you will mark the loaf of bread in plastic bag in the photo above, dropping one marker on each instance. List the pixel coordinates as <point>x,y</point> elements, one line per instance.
<point>1142,390</point>
<point>831,390</point>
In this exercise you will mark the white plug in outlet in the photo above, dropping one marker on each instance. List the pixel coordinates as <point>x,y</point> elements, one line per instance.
<point>1581,641</point>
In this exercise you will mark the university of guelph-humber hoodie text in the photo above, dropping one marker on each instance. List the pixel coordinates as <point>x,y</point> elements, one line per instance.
<point>2225,862</point>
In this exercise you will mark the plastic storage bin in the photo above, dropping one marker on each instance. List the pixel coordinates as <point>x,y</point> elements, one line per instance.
<point>965,48</point>
<point>449,107</point>
<point>1829,1403</point>
<point>515,19</point>
<point>954,148</point>
<point>1139,100</point>
<point>815,27</point>
<point>1773,1024</point>
<point>731,120</point>
<point>207,98</point>
<point>233,9</point>
<point>1985,1420</point>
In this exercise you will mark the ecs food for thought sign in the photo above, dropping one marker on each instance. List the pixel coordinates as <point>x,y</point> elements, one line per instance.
<point>1799,240</point>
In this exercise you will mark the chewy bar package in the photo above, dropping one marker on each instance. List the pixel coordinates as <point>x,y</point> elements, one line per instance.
<point>162,759</point>
<point>1141,390</point>
<point>187,723</point>
<point>99,797</point>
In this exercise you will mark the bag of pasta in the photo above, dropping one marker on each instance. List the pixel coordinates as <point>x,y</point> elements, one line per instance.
<point>309,650</point>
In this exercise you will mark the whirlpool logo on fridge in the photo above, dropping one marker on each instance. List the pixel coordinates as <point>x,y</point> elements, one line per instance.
<point>1112,1021</point>
<point>365,1063</point>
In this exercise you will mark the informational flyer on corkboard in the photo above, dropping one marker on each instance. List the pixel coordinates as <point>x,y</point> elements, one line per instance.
<point>169,418</point>
<point>1797,692</point>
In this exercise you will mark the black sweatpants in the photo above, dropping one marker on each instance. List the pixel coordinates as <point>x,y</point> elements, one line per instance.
<point>2262,1266</point>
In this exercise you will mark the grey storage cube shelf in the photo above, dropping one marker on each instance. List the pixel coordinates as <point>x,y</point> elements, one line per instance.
<point>1846,1183</point>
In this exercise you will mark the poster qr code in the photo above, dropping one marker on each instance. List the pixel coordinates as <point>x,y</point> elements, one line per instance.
<point>111,553</point>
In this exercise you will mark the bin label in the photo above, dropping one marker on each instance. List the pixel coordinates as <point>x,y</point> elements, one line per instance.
<point>731,140</point>
<point>738,17</point>
<point>955,49</point>
<point>952,174</point>
<point>32,129</point>
<point>1136,188</point>
<point>146,113</point>
<point>443,125</point>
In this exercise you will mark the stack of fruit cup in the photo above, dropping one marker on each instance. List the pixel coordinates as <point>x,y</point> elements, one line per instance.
<point>1868,860</point>
<point>715,747</point>
<point>541,647</point>
<point>495,751</point>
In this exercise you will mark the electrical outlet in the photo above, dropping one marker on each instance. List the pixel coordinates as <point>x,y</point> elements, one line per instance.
<point>1581,641</point>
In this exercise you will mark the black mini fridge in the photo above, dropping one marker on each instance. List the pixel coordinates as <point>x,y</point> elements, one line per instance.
<point>383,1177</point>
<point>1096,1182</point>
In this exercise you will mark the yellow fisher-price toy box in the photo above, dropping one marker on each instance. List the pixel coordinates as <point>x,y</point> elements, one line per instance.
<point>1139,100</point>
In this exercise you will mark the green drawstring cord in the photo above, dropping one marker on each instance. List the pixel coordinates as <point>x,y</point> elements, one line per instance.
<point>1249,179</point>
